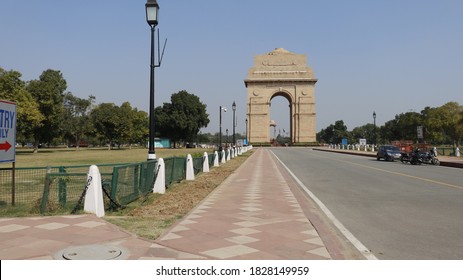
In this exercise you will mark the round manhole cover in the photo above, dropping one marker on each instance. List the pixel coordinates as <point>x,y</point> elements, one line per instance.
<point>93,252</point>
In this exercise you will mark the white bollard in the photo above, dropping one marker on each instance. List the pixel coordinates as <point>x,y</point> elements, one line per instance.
<point>229,154</point>
<point>223,157</point>
<point>94,195</point>
<point>216,159</point>
<point>190,171</point>
<point>160,183</point>
<point>457,152</point>
<point>205,162</point>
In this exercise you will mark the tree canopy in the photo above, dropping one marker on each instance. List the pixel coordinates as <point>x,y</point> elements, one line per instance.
<point>441,125</point>
<point>28,113</point>
<point>182,118</point>
<point>48,92</point>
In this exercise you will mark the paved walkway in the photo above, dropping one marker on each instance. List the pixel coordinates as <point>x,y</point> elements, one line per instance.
<point>256,213</point>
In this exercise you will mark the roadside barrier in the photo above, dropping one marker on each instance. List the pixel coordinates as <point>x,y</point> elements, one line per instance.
<point>70,189</point>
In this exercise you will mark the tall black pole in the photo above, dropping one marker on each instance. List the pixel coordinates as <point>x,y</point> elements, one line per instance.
<point>151,149</point>
<point>247,130</point>
<point>374,128</point>
<point>220,128</point>
<point>234,109</point>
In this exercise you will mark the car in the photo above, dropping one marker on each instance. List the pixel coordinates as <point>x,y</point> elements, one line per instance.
<point>388,153</point>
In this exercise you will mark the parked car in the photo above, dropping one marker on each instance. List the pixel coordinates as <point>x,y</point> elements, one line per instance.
<point>388,153</point>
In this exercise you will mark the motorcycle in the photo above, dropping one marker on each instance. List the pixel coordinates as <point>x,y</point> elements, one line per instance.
<point>417,158</point>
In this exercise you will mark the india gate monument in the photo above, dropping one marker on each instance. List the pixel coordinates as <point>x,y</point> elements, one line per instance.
<point>280,73</point>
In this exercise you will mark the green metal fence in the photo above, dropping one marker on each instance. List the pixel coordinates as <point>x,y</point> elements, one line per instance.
<point>446,151</point>
<point>31,183</point>
<point>28,187</point>
<point>60,189</point>
<point>175,169</point>
<point>211,159</point>
<point>130,182</point>
<point>198,164</point>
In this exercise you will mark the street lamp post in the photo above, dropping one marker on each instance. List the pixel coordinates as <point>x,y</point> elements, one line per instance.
<point>234,124</point>
<point>220,126</point>
<point>152,12</point>
<point>246,130</point>
<point>374,128</point>
<point>226,139</point>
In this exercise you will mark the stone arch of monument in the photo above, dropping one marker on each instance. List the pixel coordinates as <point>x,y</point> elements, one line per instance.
<point>281,73</point>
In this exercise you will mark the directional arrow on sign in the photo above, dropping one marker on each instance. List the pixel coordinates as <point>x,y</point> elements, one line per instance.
<point>5,146</point>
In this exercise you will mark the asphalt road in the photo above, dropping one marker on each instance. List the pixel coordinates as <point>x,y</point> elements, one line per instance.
<point>398,211</point>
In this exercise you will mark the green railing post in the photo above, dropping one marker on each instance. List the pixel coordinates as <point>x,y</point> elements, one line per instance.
<point>136,181</point>
<point>46,191</point>
<point>173,170</point>
<point>62,193</point>
<point>114,187</point>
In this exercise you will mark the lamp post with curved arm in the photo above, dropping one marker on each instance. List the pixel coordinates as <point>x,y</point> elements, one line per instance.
<point>220,126</point>
<point>152,12</point>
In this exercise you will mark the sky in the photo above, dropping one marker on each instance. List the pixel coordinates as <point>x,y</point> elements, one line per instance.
<point>388,57</point>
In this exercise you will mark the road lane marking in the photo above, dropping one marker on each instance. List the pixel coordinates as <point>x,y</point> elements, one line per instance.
<point>352,239</point>
<point>398,173</point>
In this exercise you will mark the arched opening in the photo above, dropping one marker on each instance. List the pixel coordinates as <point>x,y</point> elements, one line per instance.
<point>280,119</point>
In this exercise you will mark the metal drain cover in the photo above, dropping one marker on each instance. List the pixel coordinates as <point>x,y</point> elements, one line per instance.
<point>92,252</point>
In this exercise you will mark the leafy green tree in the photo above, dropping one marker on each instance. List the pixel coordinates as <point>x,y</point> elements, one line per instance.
<point>334,133</point>
<point>366,131</point>
<point>402,127</point>
<point>181,119</point>
<point>48,92</point>
<point>28,117</point>
<point>76,122</point>
<point>105,120</point>
<point>133,126</point>
<point>140,123</point>
<point>119,125</point>
<point>442,123</point>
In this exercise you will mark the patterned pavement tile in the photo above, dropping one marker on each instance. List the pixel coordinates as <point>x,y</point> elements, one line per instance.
<point>12,228</point>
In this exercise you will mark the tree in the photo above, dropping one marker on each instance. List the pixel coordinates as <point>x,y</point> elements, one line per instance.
<point>105,120</point>
<point>442,123</point>
<point>48,92</point>
<point>140,122</point>
<point>12,88</point>
<point>181,119</point>
<point>133,126</point>
<point>119,125</point>
<point>76,112</point>
<point>402,127</point>
<point>333,134</point>
<point>366,131</point>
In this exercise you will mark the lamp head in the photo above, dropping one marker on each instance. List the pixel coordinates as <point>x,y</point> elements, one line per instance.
<point>152,12</point>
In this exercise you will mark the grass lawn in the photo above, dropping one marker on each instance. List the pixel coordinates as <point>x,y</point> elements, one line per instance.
<point>83,156</point>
